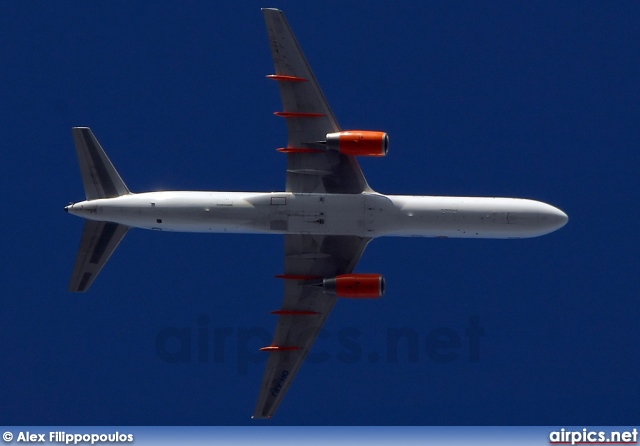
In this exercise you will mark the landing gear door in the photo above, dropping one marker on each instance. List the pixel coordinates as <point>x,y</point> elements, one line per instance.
<point>278,213</point>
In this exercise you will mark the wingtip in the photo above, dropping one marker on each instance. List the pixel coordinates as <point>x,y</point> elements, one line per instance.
<point>271,9</point>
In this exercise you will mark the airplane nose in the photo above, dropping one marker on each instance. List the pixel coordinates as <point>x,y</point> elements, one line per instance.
<point>544,220</point>
<point>561,218</point>
<point>555,218</point>
<point>66,208</point>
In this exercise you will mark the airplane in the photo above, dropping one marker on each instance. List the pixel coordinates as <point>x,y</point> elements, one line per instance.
<point>327,213</point>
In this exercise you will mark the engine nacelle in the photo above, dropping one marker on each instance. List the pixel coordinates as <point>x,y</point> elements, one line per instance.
<point>359,143</point>
<point>355,285</point>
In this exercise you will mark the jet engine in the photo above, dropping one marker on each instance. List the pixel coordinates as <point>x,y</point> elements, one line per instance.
<point>355,285</point>
<point>359,143</point>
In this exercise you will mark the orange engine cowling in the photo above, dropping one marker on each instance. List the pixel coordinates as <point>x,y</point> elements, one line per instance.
<point>359,143</point>
<point>355,285</point>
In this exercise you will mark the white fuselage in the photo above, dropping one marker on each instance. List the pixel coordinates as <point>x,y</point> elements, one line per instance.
<point>364,215</point>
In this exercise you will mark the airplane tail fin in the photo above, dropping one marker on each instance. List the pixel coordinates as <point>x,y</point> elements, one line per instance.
<point>99,177</point>
<point>99,239</point>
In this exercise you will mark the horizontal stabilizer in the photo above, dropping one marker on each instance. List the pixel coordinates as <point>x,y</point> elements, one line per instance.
<point>99,177</point>
<point>99,240</point>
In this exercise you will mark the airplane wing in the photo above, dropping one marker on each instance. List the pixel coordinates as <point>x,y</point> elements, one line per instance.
<point>304,307</point>
<point>309,118</point>
<point>308,258</point>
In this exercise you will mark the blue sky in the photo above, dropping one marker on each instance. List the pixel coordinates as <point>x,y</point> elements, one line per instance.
<point>519,99</point>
